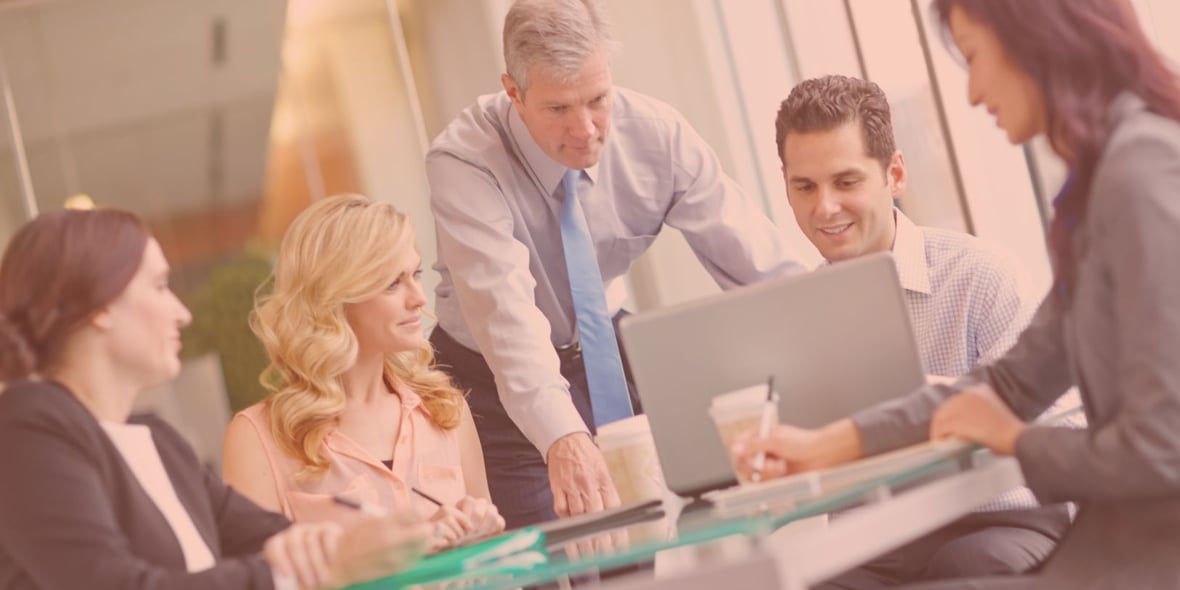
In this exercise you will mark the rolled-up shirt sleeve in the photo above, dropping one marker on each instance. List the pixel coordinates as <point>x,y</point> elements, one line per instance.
<point>494,284</point>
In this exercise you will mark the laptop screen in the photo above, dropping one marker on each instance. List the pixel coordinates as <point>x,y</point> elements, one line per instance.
<point>836,340</point>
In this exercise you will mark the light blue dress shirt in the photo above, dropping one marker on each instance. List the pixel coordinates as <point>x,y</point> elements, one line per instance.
<point>496,197</point>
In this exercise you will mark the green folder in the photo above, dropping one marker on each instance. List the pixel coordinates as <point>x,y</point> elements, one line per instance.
<point>501,556</point>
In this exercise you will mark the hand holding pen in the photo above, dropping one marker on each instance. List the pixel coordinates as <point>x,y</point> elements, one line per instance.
<point>790,449</point>
<point>769,417</point>
<point>468,518</point>
<point>446,525</point>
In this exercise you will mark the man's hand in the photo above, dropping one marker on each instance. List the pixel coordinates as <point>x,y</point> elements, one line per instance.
<point>578,477</point>
<point>978,415</point>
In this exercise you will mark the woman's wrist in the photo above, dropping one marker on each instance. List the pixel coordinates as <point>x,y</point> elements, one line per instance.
<point>283,581</point>
<point>836,443</point>
<point>1016,431</point>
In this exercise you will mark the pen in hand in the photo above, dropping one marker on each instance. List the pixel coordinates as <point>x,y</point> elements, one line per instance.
<point>369,509</point>
<point>768,414</point>
<point>428,497</point>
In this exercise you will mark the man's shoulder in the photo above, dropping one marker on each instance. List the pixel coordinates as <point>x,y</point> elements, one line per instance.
<point>636,110</point>
<point>966,255</point>
<point>649,129</point>
<point>631,103</point>
<point>477,131</point>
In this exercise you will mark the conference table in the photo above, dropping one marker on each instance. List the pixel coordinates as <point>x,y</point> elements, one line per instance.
<point>772,535</point>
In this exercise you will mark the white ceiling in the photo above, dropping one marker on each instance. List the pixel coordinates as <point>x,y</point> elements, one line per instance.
<point>125,100</point>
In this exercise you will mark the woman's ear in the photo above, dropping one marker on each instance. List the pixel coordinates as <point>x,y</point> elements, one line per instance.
<point>103,320</point>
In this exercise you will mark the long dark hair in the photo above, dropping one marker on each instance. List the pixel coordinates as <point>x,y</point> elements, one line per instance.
<point>57,272</point>
<point>1081,54</point>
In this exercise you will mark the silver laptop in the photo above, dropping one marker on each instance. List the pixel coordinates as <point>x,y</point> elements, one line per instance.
<point>837,340</point>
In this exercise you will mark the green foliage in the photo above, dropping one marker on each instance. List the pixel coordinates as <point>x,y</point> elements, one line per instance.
<point>221,308</point>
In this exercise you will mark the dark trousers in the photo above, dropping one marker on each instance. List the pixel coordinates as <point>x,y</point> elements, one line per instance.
<point>518,477</point>
<point>980,544</point>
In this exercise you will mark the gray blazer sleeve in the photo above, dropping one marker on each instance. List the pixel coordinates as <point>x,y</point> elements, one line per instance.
<point>1132,385</point>
<point>1030,377</point>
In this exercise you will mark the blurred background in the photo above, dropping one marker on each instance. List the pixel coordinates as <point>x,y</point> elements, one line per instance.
<point>218,121</point>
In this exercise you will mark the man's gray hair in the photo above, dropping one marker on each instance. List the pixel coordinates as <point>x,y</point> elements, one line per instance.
<point>560,34</point>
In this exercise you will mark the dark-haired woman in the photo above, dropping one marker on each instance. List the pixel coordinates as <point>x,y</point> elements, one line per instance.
<point>91,499</point>
<point>1083,74</point>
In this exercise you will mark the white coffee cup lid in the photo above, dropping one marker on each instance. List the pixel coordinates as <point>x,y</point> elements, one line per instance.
<point>746,396</point>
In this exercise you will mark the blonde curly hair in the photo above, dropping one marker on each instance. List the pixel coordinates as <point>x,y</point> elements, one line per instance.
<point>337,252</point>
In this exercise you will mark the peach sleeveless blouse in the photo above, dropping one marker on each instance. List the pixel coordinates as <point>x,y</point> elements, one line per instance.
<point>425,456</point>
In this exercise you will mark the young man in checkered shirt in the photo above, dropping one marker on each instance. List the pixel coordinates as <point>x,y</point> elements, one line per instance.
<point>843,172</point>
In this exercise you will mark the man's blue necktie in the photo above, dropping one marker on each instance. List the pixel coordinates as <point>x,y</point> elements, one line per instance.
<point>604,366</point>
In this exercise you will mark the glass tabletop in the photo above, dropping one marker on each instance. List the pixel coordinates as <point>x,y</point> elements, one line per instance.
<point>628,541</point>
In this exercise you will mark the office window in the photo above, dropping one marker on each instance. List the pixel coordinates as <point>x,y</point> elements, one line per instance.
<point>894,57</point>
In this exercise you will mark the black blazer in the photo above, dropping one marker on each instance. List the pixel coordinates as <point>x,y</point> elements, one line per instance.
<point>72,514</point>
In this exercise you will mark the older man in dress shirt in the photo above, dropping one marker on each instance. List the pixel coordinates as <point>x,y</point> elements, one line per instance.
<point>543,195</point>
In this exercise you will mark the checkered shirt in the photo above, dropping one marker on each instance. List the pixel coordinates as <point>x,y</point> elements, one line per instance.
<point>968,304</point>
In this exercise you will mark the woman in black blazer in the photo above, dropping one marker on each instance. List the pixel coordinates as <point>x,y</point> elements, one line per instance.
<point>92,500</point>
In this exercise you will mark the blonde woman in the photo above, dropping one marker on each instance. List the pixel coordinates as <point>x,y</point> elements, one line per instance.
<point>94,497</point>
<point>356,409</point>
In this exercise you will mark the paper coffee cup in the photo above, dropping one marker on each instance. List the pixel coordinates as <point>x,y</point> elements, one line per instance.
<point>630,453</point>
<point>736,411</point>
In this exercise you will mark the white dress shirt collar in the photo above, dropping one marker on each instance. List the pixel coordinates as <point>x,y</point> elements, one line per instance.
<point>909,253</point>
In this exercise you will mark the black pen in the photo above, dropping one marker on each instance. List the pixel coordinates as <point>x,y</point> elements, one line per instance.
<point>370,509</point>
<point>768,412</point>
<point>428,497</point>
